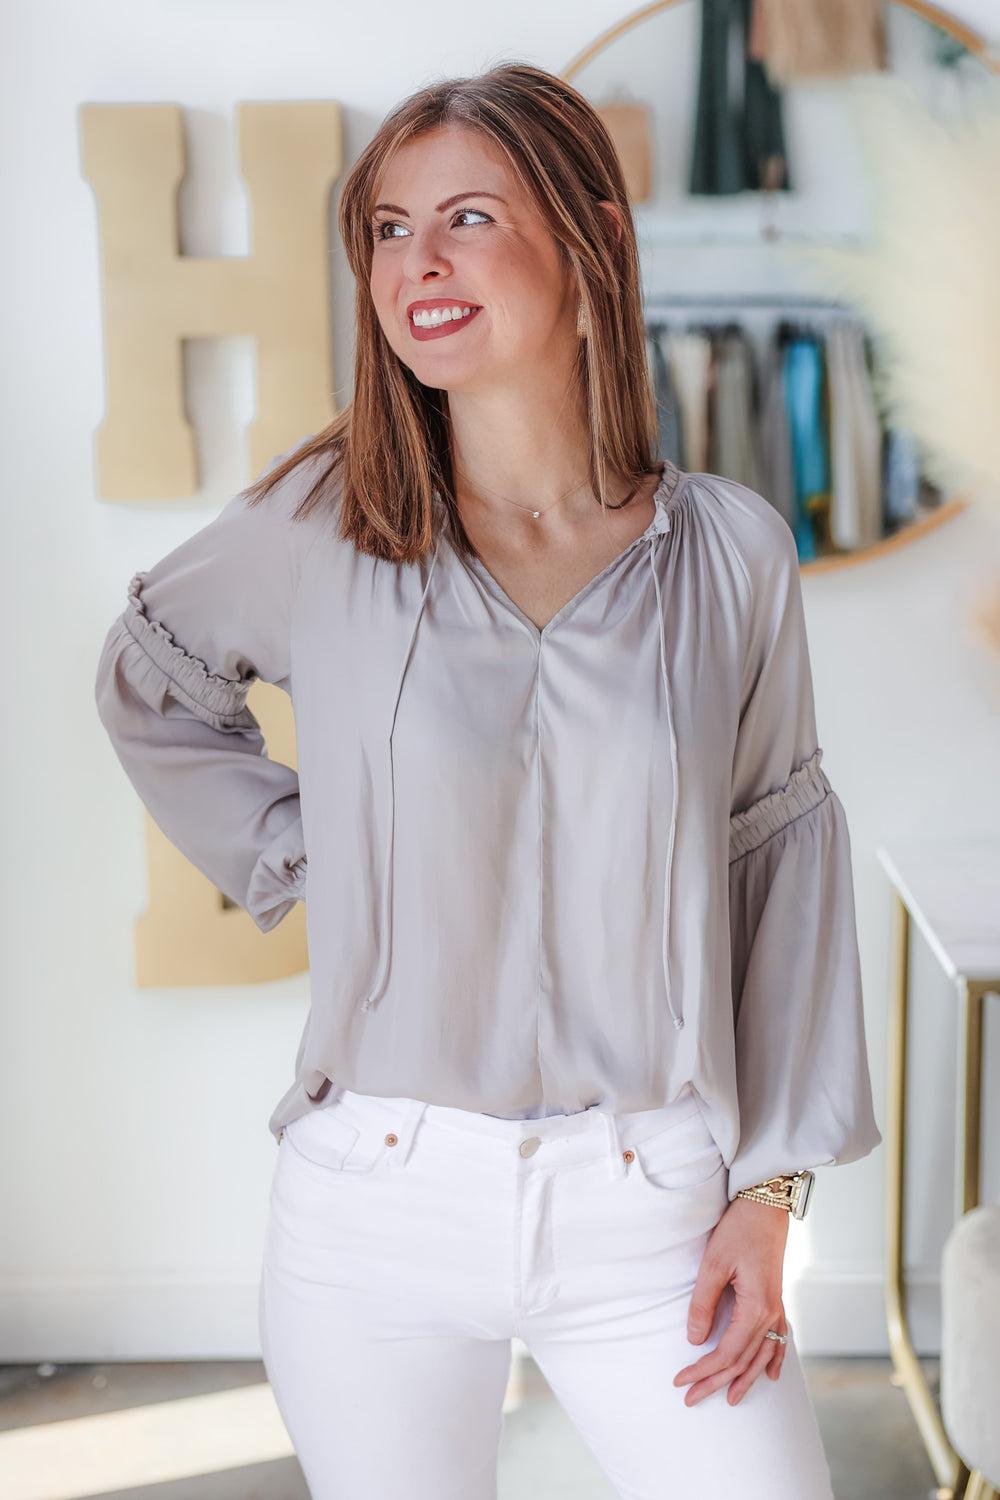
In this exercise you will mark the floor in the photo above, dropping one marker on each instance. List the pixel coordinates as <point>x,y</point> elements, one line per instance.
<point>871,1442</point>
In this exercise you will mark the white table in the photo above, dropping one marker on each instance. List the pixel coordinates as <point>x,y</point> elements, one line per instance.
<point>951,890</point>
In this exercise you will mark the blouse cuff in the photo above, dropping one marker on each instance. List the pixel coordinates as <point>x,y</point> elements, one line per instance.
<point>202,691</point>
<point>805,789</point>
<point>279,878</point>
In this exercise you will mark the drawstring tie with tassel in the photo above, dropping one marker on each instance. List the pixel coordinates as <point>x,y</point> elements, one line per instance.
<point>385,931</point>
<point>678,1020</point>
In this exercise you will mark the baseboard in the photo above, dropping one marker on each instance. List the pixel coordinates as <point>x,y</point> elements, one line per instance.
<point>90,1320</point>
<point>843,1312</point>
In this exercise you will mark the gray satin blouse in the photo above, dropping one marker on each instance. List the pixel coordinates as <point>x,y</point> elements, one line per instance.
<point>587,865</point>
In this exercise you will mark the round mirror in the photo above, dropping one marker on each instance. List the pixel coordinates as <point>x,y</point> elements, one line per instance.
<point>736,128</point>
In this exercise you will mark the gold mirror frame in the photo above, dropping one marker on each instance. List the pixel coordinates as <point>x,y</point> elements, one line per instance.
<point>973,43</point>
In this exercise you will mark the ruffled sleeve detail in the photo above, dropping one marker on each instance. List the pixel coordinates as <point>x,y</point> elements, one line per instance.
<point>803,1084</point>
<point>212,697</point>
<point>805,1097</point>
<point>199,628</point>
<point>805,789</point>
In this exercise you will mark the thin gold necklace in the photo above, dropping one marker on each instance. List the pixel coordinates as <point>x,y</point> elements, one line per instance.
<point>535,513</point>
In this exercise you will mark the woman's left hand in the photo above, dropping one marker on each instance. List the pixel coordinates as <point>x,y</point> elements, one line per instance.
<point>746,1248</point>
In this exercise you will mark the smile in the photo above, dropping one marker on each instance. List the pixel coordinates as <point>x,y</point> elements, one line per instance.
<point>438,322</point>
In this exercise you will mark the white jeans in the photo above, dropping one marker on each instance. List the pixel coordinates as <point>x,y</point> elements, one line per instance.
<point>408,1243</point>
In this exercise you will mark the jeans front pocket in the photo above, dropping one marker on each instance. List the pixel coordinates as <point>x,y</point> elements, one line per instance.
<point>681,1157</point>
<point>325,1140</point>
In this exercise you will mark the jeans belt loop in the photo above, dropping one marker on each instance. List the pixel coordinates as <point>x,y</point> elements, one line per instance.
<point>399,1153</point>
<point>614,1144</point>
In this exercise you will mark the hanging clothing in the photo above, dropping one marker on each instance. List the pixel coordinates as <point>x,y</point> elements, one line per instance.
<point>901,477</point>
<point>732,449</point>
<point>671,445</point>
<point>543,869</point>
<point>690,359</point>
<point>774,443</point>
<point>738,138</point>
<point>805,400</point>
<point>855,442</point>
<point>810,39</point>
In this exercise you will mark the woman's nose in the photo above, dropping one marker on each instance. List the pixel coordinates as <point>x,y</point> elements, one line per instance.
<point>425,256</point>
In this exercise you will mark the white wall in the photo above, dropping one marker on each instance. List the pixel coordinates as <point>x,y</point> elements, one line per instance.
<point>136,1159</point>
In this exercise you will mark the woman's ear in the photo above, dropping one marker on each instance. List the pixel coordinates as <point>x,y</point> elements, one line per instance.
<point>615,215</point>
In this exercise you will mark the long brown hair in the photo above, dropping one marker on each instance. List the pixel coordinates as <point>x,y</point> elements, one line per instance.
<point>389,448</point>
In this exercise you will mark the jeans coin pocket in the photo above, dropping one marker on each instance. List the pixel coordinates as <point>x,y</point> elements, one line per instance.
<point>680,1158</point>
<point>322,1138</point>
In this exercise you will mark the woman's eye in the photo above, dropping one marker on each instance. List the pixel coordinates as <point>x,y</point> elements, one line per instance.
<point>392,224</point>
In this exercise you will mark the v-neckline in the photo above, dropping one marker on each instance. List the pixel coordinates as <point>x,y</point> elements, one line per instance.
<point>663,495</point>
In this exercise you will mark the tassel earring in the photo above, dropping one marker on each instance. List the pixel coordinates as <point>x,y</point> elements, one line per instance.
<point>581,322</point>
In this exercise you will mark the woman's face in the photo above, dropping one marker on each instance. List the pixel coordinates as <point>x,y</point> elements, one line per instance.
<point>453,229</point>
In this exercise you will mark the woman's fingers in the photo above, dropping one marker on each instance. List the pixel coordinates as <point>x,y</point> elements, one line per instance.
<point>707,1385</point>
<point>761,1362</point>
<point>738,1351</point>
<point>729,1358</point>
<point>726,1353</point>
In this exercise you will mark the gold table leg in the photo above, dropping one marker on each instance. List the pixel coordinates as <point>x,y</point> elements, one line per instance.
<point>968,1135</point>
<point>952,1475</point>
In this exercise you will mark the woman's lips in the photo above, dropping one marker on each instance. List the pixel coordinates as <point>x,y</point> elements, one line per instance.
<point>443,329</point>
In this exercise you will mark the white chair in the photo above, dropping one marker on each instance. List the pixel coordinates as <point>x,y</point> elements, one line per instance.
<point>970,1346</point>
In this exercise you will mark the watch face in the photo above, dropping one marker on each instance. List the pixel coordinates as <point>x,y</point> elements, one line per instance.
<point>803,1193</point>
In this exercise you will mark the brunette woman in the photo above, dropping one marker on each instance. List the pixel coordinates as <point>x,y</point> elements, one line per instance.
<point>586,1002</point>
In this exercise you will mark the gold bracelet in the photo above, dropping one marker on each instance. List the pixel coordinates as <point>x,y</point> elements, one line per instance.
<point>790,1192</point>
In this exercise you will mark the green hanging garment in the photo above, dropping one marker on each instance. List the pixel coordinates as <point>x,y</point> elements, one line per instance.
<point>739,140</point>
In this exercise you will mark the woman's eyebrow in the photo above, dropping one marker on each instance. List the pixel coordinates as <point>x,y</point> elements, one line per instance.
<point>394,208</point>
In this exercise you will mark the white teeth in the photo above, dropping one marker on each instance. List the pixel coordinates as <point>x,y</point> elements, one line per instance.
<point>437,315</point>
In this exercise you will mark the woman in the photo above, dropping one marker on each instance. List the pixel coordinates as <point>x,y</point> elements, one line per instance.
<point>580,912</point>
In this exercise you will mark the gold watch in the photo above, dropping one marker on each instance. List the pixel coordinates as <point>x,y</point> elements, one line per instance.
<point>790,1192</point>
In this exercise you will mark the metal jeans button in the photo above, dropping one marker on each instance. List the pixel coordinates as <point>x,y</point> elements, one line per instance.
<point>530,1146</point>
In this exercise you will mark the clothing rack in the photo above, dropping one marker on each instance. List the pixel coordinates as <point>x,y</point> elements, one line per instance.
<point>748,299</point>
<point>696,310</point>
